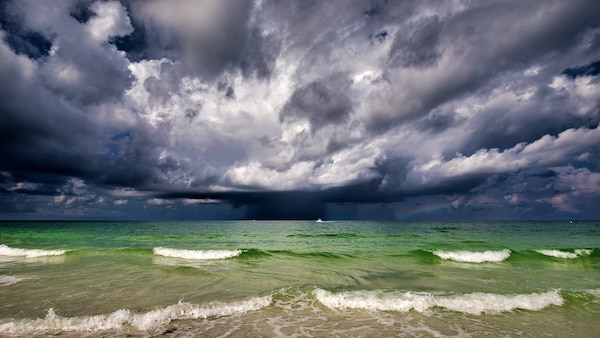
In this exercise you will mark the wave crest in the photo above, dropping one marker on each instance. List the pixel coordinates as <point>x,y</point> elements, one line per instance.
<point>472,303</point>
<point>28,253</point>
<point>464,256</point>
<point>565,254</point>
<point>151,320</point>
<point>196,254</point>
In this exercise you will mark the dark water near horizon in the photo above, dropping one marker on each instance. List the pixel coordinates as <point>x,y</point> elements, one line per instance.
<point>300,279</point>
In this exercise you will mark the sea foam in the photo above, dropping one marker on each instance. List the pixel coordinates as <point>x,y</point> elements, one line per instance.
<point>565,254</point>
<point>10,280</point>
<point>472,303</point>
<point>196,254</point>
<point>29,253</point>
<point>473,256</point>
<point>120,319</point>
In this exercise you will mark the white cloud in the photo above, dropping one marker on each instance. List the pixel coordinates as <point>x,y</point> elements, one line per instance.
<point>159,201</point>
<point>111,20</point>
<point>24,186</point>
<point>120,202</point>
<point>128,192</point>
<point>569,145</point>
<point>195,201</point>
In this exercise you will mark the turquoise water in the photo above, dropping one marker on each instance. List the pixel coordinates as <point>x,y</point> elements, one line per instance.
<point>300,278</point>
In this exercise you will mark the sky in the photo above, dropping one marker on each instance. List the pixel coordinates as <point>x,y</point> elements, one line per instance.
<point>269,109</point>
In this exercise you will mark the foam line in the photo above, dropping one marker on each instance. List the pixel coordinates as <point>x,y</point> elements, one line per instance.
<point>196,254</point>
<point>473,256</point>
<point>120,319</point>
<point>10,280</point>
<point>565,254</point>
<point>29,253</point>
<point>472,303</point>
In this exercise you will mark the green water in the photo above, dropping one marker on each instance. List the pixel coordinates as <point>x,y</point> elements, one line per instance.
<point>300,278</point>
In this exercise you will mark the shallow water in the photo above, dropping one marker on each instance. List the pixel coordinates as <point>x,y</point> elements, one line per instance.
<point>300,278</point>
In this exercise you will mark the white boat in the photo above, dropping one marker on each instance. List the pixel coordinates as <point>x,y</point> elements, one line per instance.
<point>319,220</point>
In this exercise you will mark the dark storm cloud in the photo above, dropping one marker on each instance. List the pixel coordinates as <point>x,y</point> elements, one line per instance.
<point>320,102</point>
<point>81,11</point>
<point>418,48</point>
<point>270,109</point>
<point>38,133</point>
<point>48,140</point>
<point>133,159</point>
<point>394,173</point>
<point>22,40</point>
<point>209,37</point>
<point>45,135</point>
<point>591,69</point>
<point>80,69</point>
<point>288,205</point>
<point>437,121</point>
<point>482,42</point>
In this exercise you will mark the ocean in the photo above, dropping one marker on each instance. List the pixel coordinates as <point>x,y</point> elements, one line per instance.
<point>300,279</point>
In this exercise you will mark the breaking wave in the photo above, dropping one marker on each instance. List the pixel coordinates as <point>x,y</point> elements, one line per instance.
<point>28,253</point>
<point>473,256</point>
<point>119,319</point>
<point>196,254</point>
<point>327,235</point>
<point>471,303</point>
<point>565,254</point>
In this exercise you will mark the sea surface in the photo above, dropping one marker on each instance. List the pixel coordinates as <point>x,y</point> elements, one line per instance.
<point>300,279</point>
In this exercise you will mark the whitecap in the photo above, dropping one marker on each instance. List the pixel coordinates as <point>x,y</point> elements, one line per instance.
<point>565,254</point>
<point>123,318</point>
<point>464,256</point>
<point>196,254</point>
<point>478,303</point>
<point>28,253</point>
<point>472,303</point>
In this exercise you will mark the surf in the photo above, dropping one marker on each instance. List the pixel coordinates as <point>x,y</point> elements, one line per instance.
<point>565,254</point>
<point>196,254</point>
<point>28,253</point>
<point>120,319</point>
<point>342,235</point>
<point>471,303</point>
<point>465,256</point>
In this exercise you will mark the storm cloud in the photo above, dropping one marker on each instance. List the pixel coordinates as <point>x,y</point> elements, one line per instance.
<point>269,109</point>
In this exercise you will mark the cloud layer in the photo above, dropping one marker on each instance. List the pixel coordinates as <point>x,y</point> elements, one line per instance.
<point>269,109</point>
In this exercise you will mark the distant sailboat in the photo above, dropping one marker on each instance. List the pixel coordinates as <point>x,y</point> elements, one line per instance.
<point>319,220</point>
